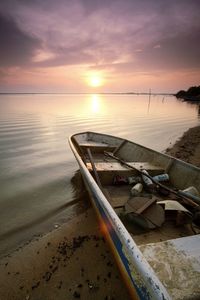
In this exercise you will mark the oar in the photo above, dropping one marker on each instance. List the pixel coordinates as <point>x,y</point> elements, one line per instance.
<point>96,175</point>
<point>94,169</point>
<point>184,196</point>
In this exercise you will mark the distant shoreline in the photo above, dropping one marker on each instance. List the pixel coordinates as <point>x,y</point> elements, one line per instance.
<point>87,93</point>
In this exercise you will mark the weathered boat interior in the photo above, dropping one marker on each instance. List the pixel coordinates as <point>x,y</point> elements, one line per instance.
<point>155,217</point>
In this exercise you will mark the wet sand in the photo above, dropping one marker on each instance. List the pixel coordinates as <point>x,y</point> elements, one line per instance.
<point>71,262</point>
<point>74,261</point>
<point>187,148</point>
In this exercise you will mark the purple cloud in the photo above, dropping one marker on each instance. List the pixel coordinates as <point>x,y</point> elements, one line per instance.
<point>17,47</point>
<point>115,34</point>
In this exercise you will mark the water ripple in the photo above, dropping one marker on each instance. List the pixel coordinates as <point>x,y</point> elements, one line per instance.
<point>37,164</point>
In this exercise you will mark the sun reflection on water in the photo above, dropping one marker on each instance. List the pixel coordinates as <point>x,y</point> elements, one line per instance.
<point>95,104</point>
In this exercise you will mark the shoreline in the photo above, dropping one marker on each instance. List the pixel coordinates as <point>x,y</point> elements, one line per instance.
<point>74,261</point>
<point>187,148</point>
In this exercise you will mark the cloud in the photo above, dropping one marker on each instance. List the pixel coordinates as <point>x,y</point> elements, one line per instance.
<point>157,46</point>
<point>178,51</point>
<point>122,37</point>
<point>17,47</point>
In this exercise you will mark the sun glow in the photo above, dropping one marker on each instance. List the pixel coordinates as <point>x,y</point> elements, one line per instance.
<point>95,80</point>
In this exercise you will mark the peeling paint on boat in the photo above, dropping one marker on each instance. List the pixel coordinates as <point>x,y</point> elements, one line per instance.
<point>177,263</point>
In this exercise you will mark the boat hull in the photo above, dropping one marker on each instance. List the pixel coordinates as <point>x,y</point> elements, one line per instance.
<point>139,277</point>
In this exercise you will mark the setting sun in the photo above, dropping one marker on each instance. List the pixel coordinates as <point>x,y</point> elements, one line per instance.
<point>95,80</point>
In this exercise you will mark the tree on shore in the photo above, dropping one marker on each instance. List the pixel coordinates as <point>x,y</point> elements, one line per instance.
<point>193,91</point>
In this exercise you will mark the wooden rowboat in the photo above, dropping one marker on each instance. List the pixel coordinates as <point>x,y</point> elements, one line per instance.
<point>158,263</point>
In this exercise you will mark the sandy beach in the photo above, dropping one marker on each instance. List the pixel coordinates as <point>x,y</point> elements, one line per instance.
<point>74,261</point>
<point>187,148</point>
<point>70,262</point>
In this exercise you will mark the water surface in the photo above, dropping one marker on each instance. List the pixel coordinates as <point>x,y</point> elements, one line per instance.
<point>36,164</point>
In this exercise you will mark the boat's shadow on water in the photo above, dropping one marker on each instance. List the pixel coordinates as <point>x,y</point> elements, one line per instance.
<point>81,197</point>
<point>79,208</point>
<point>78,203</point>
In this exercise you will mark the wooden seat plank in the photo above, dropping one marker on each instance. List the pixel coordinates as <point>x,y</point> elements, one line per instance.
<point>92,144</point>
<point>116,166</point>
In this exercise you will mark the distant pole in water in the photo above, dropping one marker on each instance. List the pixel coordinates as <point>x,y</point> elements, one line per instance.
<point>149,93</point>
<point>149,100</point>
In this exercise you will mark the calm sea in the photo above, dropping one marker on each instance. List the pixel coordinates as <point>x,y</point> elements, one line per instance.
<point>37,166</point>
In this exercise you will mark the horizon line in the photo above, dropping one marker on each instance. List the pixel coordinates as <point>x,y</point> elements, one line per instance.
<point>87,93</point>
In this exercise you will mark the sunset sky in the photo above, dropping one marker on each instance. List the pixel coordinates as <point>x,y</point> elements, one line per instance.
<point>99,45</point>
